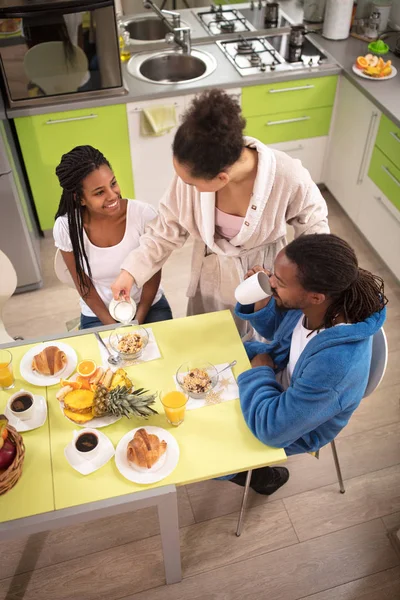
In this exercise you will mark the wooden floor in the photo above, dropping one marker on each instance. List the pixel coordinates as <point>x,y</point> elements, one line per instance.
<point>306,542</point>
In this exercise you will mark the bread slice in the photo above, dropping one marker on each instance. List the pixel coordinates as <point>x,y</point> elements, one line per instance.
<point>79,418</point>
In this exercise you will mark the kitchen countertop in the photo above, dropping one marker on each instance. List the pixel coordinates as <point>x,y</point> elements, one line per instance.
<point>385,94</point>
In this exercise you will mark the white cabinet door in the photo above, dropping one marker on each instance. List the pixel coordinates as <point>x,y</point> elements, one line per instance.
<point>152,156</point>
<point>353,133</point>
<point>310,151</point>
<point>379,221</point>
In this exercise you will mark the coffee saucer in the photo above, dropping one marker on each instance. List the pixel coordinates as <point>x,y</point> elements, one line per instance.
<point>86,466</point>
<point>37,419</point>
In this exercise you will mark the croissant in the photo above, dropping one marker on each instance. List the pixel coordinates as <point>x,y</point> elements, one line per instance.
<point>145,449</point>
<point>49,361</point>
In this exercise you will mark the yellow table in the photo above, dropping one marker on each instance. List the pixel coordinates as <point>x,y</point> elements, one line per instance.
<point>213,440</point>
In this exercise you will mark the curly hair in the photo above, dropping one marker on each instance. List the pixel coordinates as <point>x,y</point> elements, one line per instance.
<point>328,265</point>
<point>210,138</point>
<point>72,170</point>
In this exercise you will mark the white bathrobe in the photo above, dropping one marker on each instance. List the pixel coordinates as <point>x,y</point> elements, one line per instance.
<point>283,193</point>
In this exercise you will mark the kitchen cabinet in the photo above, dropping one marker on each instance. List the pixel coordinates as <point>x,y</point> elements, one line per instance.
<point>311,153</point>
<point>152,155</point>
<point>45,138</point>
<point>379,221</point>
<point>384,168</point>
<point>354,129</point>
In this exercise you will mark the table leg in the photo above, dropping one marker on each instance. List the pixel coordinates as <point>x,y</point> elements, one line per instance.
<point>169,528</point>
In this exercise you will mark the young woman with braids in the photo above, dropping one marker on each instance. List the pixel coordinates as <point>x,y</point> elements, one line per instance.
<point>234,196</point>
<point>95,228</point>
<point>307,381</point>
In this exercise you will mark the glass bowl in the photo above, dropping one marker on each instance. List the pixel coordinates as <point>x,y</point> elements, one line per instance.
<point>123,342</point>
<point>193,389</point>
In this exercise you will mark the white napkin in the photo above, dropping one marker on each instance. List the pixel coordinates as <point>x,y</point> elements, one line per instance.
<point>226,389</point>
<point>151,352</point>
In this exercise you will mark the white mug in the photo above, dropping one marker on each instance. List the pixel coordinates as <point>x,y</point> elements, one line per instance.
<point>255,288</point>
<point>88,455</point>
<point>25,414</point>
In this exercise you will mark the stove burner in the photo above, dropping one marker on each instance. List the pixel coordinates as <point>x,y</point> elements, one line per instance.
<point>255,60</point>
<point>227,26</point>
<point>245,47</point>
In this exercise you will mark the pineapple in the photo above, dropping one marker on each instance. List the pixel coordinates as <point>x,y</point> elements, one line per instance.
<point>121,401</point>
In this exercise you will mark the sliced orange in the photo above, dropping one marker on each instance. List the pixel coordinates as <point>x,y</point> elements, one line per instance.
<point>76,385</point>
<point>381,63</point>
<point>361,62</point>
<point>84,381</point>
<point>86,368</point>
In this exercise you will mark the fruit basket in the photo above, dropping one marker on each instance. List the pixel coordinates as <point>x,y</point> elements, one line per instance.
<point>11,475</point>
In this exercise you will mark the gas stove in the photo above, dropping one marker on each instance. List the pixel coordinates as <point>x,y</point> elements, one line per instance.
<point>250,56</point>
<point>220,20</point>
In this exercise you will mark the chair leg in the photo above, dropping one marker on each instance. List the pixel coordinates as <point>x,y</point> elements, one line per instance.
<point>244,502</point>
<point>337,465</point>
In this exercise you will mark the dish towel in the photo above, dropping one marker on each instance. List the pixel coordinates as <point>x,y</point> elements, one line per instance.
<point>158,120</point>
<point>226,389</point>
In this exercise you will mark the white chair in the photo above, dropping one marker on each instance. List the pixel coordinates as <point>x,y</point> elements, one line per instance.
<point>377,370</point>
<point>8,284</point>
<point>63,275</point>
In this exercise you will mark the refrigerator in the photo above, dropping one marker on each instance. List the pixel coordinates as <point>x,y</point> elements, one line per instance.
<point>19,234</point>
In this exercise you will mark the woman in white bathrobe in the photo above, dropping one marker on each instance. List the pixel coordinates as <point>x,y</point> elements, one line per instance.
<point>234,196</point>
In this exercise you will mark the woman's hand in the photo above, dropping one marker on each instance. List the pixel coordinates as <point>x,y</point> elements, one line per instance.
<point>122,285</point>
<point>262,360</point>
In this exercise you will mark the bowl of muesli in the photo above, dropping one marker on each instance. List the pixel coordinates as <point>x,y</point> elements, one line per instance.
<point>197,378</point>
<point>130,344</point>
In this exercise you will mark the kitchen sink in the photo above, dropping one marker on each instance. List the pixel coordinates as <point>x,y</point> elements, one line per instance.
<point>172,66</point>
<point>146,29</point>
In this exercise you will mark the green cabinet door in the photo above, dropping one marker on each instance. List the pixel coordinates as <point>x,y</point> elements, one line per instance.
<point>45,138</point>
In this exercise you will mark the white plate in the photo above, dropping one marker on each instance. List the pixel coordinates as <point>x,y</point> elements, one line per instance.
<point>34,378</point>
<point>85,466</point>
<point>37,420</point>
<point>96,422</point>
<point>158,471</point>
<point>359,72</point>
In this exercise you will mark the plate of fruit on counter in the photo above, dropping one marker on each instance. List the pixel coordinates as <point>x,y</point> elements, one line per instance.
<point>374,67</point>
<point>103,398</point>
<point>44,365</point>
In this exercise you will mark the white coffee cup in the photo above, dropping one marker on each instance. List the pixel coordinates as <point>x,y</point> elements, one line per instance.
<point>255,288</point>
<point>87,454</point>
<point>22,415</point>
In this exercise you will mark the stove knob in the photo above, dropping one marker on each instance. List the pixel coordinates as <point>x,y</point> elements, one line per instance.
<point>263,67</point>
<point>252,5</point>
<point>272,67</point>
<point>310,62</point>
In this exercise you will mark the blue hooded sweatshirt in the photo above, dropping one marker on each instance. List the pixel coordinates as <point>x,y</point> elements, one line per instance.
<point>327,384</point>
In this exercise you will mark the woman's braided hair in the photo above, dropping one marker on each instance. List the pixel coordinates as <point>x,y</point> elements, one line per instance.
<point>328,265</point>
<point>72,170</point>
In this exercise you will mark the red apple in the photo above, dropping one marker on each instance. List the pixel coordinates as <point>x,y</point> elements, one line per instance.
<point>7,454</point>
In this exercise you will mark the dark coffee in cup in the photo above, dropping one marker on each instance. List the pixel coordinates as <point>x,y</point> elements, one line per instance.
<point>21,403</point>
<point>86,442</point>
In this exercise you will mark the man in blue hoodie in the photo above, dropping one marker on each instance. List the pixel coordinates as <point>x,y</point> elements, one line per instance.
<point>309,378</point>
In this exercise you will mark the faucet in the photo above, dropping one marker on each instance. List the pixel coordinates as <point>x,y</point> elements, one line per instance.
<point>179,35</point>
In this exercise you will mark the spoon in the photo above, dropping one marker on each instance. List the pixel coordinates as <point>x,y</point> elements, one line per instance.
<point>231,364</point>
<point>113,360</point>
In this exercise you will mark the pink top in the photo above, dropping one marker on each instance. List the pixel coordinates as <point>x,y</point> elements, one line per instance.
<point>227,226</point>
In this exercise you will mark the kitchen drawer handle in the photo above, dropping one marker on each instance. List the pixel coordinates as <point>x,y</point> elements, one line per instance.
<point>296,149</point>
<point>396,137</point>
<point>389,174</point>
<point>288,121</point>
<point>54,121</point>
<point>140,110</point>
<point>381,202</point>
<point>291,89</point>
<point>361,172</point>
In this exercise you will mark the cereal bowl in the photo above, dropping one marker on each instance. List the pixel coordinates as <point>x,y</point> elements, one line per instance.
<point>197,378</point>
<point>129,344</point>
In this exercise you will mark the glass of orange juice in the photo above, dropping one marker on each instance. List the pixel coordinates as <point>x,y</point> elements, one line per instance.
<point>174,404</point>
<point>6,370</point>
